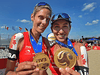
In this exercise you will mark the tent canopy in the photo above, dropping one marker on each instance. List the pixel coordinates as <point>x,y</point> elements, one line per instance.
<point>93,39</point>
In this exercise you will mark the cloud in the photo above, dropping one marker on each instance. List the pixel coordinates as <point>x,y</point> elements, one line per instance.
<point>93,22</point>
<point>80,16</point>
<point>88,23</point>
<point>92,9</point>
<point>24,21</point>
<point>84,4</point>
<point>2,26</point>
<point>89,7</point>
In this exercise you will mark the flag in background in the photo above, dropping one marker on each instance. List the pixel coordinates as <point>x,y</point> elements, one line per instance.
<point>20,28</point>
<point>26,29</point>
<point>13,28</point>
<point>6,27</point>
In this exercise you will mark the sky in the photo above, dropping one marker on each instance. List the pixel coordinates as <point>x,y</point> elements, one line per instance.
<point>85,16</point>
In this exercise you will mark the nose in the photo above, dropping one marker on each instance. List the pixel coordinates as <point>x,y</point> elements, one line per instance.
<point>61,30</point>
<point>44,21</point>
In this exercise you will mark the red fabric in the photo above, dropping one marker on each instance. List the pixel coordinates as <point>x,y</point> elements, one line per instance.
<point>96,47</point>
<point>87,48</point>
<point>86,44</point>
<point>3,63</point>
<point>27,53</point>
<point>54,69</point>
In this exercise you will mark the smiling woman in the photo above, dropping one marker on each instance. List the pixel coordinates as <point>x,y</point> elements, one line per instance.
<point>25,46</point>
<point>66,57</point>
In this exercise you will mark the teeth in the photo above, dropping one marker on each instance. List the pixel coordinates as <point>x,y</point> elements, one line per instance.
<point>41,27</point>
<point>61,35</point>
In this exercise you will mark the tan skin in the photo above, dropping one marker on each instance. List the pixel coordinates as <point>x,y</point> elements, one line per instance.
<point>61,29</point>
<point>40,22</point>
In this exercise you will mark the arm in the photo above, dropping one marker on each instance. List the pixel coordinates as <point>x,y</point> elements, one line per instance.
<point>13,55</point>
<point>24,67</point>
<point>10,67</point>
<point>82,63</point>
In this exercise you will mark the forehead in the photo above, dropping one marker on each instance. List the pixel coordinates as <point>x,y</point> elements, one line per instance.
<point>44,12</point>
<point>61,21</point>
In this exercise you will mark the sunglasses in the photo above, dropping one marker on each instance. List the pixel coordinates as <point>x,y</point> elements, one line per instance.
<point>60,16</point>
<point>43,4</point>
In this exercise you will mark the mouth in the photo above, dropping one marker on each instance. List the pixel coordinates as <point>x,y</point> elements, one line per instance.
<point>41,27</point>
<point>61,36</point>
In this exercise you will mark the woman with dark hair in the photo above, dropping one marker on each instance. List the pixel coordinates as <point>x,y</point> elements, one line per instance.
<point>62,52</point>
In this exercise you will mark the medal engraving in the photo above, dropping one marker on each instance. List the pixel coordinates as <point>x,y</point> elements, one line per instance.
<point>64,57</point>
<point>42,60</point>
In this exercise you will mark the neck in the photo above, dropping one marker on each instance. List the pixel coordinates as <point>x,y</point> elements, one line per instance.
<point>35,34</point>
<point>65,42</point>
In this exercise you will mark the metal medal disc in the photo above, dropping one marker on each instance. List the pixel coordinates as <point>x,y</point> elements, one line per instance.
<point>64,57</point>
<point>42,60</point>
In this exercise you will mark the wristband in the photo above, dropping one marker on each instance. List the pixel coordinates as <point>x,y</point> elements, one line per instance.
<point>13,54</point>
<point>82,70</point>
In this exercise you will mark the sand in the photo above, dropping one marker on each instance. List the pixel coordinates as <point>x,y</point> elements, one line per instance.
<point>94,62</point>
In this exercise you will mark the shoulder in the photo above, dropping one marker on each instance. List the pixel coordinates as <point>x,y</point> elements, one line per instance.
<point>15,40</point>
<point>77,46</point>
<point>17,36</point>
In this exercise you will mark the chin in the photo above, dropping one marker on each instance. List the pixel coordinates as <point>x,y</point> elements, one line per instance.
<point>41,31</point>
<point>61,40</point>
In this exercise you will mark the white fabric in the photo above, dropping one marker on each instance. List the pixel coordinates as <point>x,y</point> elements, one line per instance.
<point>18,36</point>
<point>84,52</point>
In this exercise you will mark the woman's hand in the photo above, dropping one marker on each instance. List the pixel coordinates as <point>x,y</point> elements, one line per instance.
<point>26,68</point>
<point>68,71</point>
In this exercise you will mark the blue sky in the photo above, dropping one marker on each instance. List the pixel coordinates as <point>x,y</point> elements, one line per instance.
<point>85,16</point>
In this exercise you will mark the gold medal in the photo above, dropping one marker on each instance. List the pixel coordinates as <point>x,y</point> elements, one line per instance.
<point>64,57</point>
<point>42,60</point>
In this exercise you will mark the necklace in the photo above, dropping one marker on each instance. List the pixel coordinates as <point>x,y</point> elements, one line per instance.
<point>36,39</point>
<point>37,46</point>
<point>67,46</point>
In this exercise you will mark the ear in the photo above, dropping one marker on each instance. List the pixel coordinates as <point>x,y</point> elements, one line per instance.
<point>32,17</point>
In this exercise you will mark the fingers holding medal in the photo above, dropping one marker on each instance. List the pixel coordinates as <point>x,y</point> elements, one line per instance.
<point>42,60</point>
<point>64,57</point>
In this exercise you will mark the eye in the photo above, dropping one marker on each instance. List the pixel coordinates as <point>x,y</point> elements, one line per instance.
<point>56,28</point>
<point>41,17</point>
<point>65,26</point>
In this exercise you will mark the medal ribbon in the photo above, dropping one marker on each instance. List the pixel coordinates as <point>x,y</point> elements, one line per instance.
<point>70,46</point>
<point>36,46</point>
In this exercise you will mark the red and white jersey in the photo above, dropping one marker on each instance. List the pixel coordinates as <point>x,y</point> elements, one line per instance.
<point>27,53</point>
<point>54,69</point>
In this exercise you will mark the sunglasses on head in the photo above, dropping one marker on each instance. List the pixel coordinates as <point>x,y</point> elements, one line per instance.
<point>42,4</point>
<point>61,16</point>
